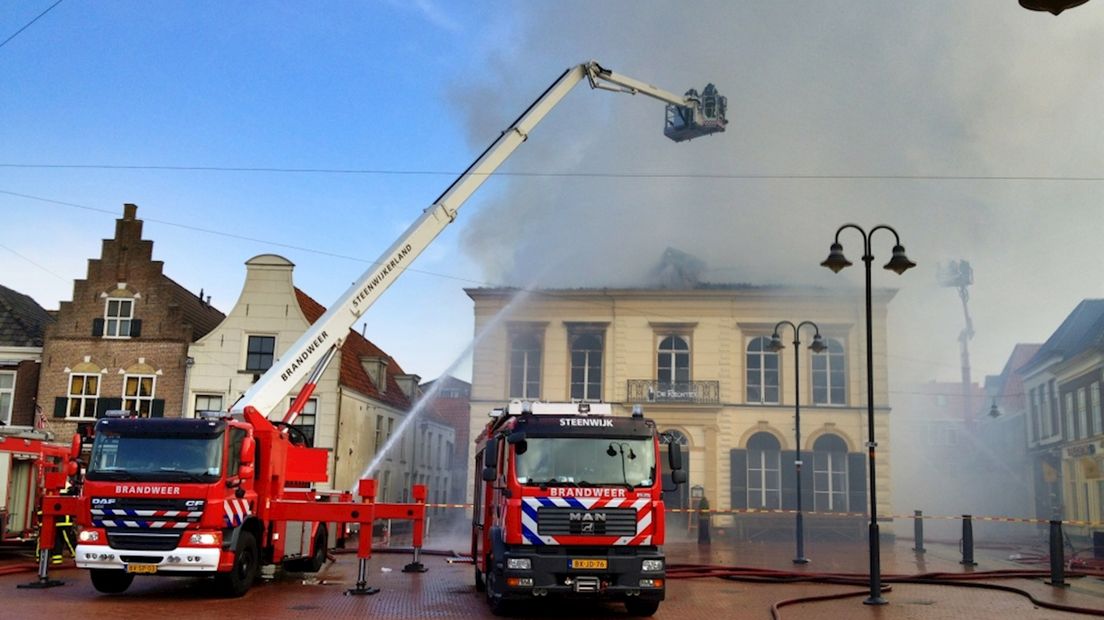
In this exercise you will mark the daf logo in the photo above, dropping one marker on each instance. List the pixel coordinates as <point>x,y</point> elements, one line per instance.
<point>103,501</point>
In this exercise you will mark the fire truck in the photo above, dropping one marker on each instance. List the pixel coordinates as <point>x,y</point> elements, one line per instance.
<point>569,502</point>
<point>31,466</point>
<point>225,494</point>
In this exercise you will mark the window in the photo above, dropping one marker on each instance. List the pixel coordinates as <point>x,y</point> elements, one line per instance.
<point>525,365</point>
<point>1094,410</point>
<point>259,353</point>
<point>379,435</point>
<point>233,459</point>
<point>673,362</point>
<point>1052,407</point>
<point>830,375</point>
<point>305,421</point>
<point>138,394</point>
<point>1067,415</point>
<point>830,474</point>
<point>390,428</point>
<point>1033,400</point>
<point>764,471</point>
<point>7,396</point>
<point>207,402</point>
<point>1083,421</point>
<point>762,372</point>
<point>586,366</point>
<point>84,392</point>
<point>118,315</point>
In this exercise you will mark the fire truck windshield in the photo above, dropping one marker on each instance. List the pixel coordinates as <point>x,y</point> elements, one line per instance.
<point>590,461</point>
<point>175,458</point>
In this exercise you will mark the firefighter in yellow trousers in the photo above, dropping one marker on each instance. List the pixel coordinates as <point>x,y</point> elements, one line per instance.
<point>62,540</point>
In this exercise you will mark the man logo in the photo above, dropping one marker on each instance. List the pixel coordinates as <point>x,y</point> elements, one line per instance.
<point>587,522</point>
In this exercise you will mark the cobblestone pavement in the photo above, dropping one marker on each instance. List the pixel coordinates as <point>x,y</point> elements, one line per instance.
<point>446,591</point>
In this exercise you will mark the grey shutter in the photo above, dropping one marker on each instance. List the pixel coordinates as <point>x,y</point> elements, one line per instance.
<point>61,403</point>
<point>135,328</point>
<point>157,409</point>
<point>97,328</point>
<point>103,405</point>
<point>856,482</point>
<point>738,470</point>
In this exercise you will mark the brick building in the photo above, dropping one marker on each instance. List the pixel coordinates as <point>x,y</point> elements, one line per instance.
<point>122,341</point>
<point>22,326</point>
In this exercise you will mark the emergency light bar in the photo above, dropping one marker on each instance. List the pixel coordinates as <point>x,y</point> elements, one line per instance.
<point>534,407</point>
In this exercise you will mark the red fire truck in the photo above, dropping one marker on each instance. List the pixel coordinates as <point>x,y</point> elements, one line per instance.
<point>569,502</point>
<point>225,494</point>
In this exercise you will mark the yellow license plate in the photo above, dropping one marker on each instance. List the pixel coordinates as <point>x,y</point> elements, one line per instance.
<point>589,564</point>
<point>144,569</point>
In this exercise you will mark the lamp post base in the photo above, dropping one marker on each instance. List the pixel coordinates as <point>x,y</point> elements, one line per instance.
<point>801,560</point>
<point>875,600</point>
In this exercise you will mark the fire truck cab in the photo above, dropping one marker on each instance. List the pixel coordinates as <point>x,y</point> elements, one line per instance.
<point>569,502</point>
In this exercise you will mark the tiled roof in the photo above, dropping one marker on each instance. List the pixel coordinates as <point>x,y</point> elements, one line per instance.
<point>22,320</point>
<point>354,348</point>
<point>202,316</point>
<point>1083,329</point>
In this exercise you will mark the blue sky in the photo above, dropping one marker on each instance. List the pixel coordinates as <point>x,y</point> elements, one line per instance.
<point>962,124</point>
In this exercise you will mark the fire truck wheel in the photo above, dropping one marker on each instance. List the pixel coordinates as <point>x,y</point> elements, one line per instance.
<point>110,581</point>
<point>641,608</point>
<point>480,585</point>
<point>244,572</point>
<point>498,604</point>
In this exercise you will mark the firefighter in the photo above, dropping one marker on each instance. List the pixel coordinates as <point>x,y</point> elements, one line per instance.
<point>703,521</point>
<point>63,538</point>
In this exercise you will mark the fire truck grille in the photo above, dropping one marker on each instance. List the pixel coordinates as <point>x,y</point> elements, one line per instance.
<point>145,524</point>
<point>143,540</point>
<point>555,521</point>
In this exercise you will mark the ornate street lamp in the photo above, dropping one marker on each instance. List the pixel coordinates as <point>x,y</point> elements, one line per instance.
<point>817,346</point>
<point>899,263</point>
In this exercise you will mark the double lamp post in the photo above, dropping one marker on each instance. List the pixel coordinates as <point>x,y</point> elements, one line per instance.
<point>899,263</point>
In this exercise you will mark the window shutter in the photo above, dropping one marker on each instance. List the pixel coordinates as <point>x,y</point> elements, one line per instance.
<point>97,328</point>
<point>739,478</point>
<point>135,328</point>
<point>103,405</point>
<point>61,403</point>
<point>789,480</point>
<point>157,409</point>
<point>856,482</point>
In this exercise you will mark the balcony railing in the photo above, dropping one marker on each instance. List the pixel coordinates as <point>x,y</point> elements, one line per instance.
<point>687,392</point>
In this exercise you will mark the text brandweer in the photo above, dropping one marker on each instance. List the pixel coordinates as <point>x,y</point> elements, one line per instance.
<point>147,489</point>
<point>380,275</point>
<point>302,359</point>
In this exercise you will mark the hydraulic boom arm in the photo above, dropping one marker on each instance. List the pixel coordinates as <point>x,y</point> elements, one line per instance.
<point>318,342</point>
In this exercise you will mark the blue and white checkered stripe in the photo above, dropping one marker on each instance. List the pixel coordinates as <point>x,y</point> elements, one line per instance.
<point>236,511</point>
<point>143,519</point>
<point>530,505</point>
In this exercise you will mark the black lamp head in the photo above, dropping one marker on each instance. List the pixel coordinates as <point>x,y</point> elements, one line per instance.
<point>899,263</point>
<point>775,343</point>
<point>818,345</point>
<point>836,260</point>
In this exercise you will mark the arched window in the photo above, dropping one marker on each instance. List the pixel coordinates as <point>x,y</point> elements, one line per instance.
<point>525,365</point>
<point>673,361</point>
<point>830,474</point>
<point>830,375</point>
<point>762,372</point>
<point>586,366</point>
<point>673,436</point>
<point>764,465</point>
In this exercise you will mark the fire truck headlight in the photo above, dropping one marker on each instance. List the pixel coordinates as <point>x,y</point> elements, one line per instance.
<point>204,539</point>
<point>88,536</point>
<point>519,564</point>
<point>651,565</point>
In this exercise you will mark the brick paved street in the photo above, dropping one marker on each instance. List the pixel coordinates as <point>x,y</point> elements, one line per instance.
<point>446,591</point>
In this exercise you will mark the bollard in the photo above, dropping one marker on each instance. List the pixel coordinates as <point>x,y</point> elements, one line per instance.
<point>1057,557</point>
<point>918,530</point>
<point>968,541</point>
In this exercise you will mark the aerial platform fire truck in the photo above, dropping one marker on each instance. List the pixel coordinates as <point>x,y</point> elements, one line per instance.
<point>224,494</point>
<point>569,502</point>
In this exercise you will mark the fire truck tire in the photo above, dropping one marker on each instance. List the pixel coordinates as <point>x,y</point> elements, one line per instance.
<point>246,565</point>
<point>498,604</point>
<point>641,608</point>
<point>111,581</point>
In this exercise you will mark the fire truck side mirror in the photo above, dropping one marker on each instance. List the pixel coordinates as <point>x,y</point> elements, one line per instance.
<point>678,476</point>
<point>674,456</point>
<point>248,451</point>
<point>490,460</point>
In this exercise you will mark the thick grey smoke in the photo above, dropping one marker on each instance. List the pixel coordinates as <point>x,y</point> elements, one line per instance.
<point>931,89</point>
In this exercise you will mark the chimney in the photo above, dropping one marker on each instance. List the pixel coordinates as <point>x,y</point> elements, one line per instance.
<point>130,211</point>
